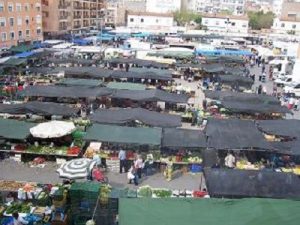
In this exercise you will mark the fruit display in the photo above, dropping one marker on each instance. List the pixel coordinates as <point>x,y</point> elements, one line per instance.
<point>47,150</point>
<point>104,194</point>
<point>10,185</point>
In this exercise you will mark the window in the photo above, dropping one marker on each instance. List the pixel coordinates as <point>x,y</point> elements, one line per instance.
<point>19,22</point>
<point>1,7</point>
<point>38,19</point>
<point>142,20</point>
<point>10,7</point>
<point>12,35</point>
<point>205,21</point>
<point>244,25</point>
<point>282,25</point>
<point>20,34</point>
<point>233,24</point>
<point>27,33</point>
<point>38,7</point>
<point>2,22</point>
<point>157,20</point>
<point>131,19</point>
<point>294,26</point>
<point>11,21</point>
<point>3,36</point>
<point>217,23</point>
<point>26,7</point>
<point>27,20</point>
<point>18,7</point>
<point>38,31</point>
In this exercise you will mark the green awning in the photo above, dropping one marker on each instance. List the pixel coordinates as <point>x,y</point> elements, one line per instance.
<point>14,129</point>
<point>15,61</point>
<point>179,211</point>
<point>80,82</point>
<point>126,86</point>
<point>21,48</point>
<point>124,135</point>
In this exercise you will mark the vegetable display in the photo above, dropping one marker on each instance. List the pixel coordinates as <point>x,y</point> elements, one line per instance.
<point>18,207</point>
<point>145,191</point>
<point>162,193</point>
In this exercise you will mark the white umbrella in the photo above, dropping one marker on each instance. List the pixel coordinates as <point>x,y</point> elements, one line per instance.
<point>76,168</point>
<point>52,129</point>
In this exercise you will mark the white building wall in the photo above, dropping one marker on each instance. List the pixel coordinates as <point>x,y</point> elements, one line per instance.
<point>237,7</point>
<point>283,27</point>
<point>150,22</point>
<point>163,6</point>
<point>221,25</point>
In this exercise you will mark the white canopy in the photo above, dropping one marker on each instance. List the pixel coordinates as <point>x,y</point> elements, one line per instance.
<point>52,129</point>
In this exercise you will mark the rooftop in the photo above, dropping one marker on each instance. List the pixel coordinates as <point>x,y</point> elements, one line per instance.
<point>223,16</point>
<point>131,13</point>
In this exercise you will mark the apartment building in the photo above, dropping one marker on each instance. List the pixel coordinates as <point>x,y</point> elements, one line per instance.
<point>70,16</point>
<point>20,22</point>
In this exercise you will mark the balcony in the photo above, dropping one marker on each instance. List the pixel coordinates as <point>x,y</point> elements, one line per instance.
<point>63,6</point>
<point>63,27</point>
<point>77,26</point>
<point>63,17</point>
<point>77,16</point>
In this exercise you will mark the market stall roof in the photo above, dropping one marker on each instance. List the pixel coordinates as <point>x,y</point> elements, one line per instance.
<point>14,129</point>
<point>24,54</point>
<point>38,108</point>
<point>234,134</point>
<point>123,116</point>
<point>139,62</point>
<point>43,70</point>
<point>289,128</point>
<point>247,102</point>
<point>142,74</point>
<point>124,135</point>
<point>182,53</point>
<point>80,82</point>
<point>87,72</point>
<point>65,92</point>
<point>178,211</point>
<point>189,65</point>
<point>185,138</point>
<point>235,79</point>
<point>251,183</point>
<point>150,95</point>
<point>15,61</point>
<point>224,59</point>
<point>85,62</point>
<point>213,68</point>
<point>21,48</point>
<point>126,86</point>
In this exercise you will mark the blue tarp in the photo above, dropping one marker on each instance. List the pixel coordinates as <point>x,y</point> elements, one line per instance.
<point>223,52</point>
<point>24,54</point>
<point>81,42</point>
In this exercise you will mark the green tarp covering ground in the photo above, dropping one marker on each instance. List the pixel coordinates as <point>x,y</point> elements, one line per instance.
<point>170,211</point>
<point>126,86</point>
<point>13,129</point>
<point>126,135</point>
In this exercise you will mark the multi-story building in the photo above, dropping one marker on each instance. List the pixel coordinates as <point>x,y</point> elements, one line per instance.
<point>289,20</point>
<point>70,16</point>
<point>150,21</point>
<point>221,23</point>
<point>20,22</point>
<point>163,6</point>
<point>236,7</point>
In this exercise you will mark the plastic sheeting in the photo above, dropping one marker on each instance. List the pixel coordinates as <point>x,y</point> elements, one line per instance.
<point>236,80</point>
<point>14,129</point>
<point>183,138</point>
<point>123,116</point>
<point>234,134</point>
<point>289,128</point>
<point>249,183</point>
<point>38,108</point>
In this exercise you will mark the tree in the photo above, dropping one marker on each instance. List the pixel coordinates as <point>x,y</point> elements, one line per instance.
<point>260,20</point>
<point>183,17</point>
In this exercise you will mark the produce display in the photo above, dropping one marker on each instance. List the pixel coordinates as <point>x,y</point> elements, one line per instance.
<point>145,192</point>
<point>104,194</point>
<point>47,150</point>
<point>19,207</point>
<point>162,193</point>
<point>10,185</point>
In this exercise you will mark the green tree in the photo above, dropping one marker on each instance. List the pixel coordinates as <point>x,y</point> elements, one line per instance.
<point>183,17</point>
<point>260,20</point>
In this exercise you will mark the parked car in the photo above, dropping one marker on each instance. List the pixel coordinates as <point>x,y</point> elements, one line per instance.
<point>293,88</point>
<point>284,80</point>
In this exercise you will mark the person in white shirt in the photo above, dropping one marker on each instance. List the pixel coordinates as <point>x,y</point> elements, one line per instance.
<point>18,220</point>
<point>122,158</point>
<point>230,160</point>
<point>139,164</point>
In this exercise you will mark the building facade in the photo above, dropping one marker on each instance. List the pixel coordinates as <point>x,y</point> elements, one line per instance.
<point>236,7</point>
<point>220,23</point>
<point>20,22</point>
<point>163,6</point>
<point>149,21</point>
<point>289,20</point>
<point>71,16</point>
